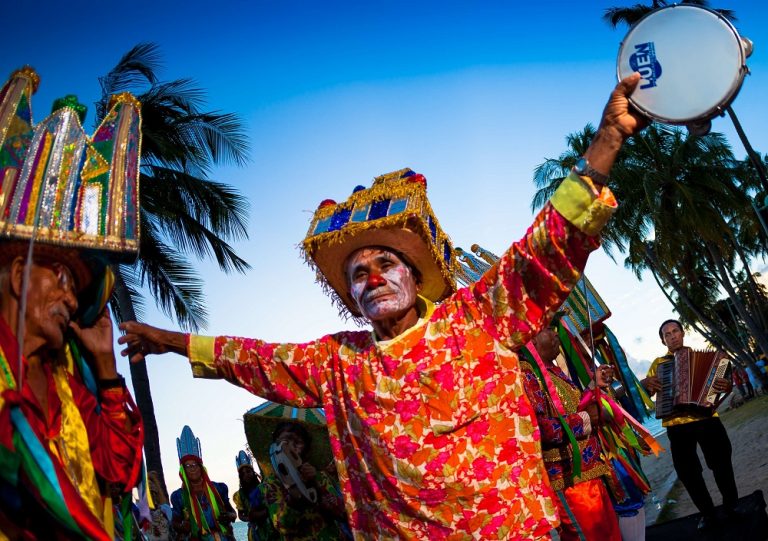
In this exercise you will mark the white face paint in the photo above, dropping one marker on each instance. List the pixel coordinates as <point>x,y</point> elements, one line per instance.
<point>381,285</point>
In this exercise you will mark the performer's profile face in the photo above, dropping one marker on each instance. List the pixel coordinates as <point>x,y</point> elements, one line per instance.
<point>380,283</point>
<point>51,303</point>
<point>547,344</point>
<point>672,336</point>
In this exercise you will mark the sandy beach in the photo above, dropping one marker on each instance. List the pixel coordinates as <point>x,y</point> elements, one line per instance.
<point>747,428</point>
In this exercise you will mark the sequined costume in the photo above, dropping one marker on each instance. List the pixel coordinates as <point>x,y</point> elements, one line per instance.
<point>432,432</point>
<point>586,511</point>
<point>69,200</point>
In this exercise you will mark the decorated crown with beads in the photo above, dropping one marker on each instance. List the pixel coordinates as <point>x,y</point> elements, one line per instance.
<point>393,213</point>
<point>57,185</point>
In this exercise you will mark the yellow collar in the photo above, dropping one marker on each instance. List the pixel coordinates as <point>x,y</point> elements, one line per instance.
<point>425,308</point>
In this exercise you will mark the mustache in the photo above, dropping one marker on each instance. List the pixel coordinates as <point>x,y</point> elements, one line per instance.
<point>63,312</point>
<point>378,292</point>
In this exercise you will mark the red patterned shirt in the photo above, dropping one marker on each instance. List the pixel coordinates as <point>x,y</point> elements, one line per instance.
<point>433,435</point>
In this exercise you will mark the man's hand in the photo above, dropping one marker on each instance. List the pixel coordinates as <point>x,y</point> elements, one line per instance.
<point>722,385</point>
<point>97,339</point>
<point>228,517</point>
<point>307,472</point>
<point>604,376</point>
<point>182,525</point>
<point>141,340</point>
<point>620,121</point>
<point>652,385</point>
<point>597,415</point>
<point>619,117</point>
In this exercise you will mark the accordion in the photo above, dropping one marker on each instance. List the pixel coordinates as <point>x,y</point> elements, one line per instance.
<point>686,382</point>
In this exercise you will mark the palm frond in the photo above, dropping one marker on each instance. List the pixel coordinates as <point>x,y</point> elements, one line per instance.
<point>136,69</point>
<point>172,282</point>
<point>215,205</point>
<point>615,16</point>
<point>132,284</point>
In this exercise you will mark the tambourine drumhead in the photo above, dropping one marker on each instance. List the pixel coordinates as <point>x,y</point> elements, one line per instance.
<point>692,63</point>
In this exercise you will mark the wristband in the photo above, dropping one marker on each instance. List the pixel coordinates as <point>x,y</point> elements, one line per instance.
<point>111,383</point>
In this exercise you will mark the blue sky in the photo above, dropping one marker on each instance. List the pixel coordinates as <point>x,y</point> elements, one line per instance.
<point>473,95</point>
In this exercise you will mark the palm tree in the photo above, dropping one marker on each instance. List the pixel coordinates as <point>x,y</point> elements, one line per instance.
<point>183,211</point>
<point>688,193</point>
<point>630,15</point>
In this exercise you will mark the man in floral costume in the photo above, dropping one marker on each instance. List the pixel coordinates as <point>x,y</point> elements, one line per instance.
<point>430,426</point>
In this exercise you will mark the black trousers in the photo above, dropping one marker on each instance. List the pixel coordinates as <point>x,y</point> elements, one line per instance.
<point>710,434</point>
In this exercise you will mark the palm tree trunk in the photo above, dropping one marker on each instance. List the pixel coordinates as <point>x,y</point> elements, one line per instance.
<point>756,332</point>
<point>743,353</point>
<point>723,338</point>
<point>141,388</point>
<point>752,284</point>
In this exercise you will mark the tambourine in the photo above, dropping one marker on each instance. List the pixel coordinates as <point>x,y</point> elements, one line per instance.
<point>692,62</point>
<point>286,463</point>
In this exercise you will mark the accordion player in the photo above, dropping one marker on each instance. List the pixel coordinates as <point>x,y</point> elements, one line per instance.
<point>687,381</point>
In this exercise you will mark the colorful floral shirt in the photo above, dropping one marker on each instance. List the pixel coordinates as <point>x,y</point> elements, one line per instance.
<point>433,435</point>
<point>557,450</point>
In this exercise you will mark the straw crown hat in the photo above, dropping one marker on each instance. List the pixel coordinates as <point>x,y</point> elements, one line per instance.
<point>393,213</point>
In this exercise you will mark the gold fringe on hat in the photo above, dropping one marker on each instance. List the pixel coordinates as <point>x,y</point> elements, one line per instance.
<point>393,213</point>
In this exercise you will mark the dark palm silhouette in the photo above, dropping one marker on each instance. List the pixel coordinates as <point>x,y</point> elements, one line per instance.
<point>686,217</point>
<point>631,14</point>
<point>183,211</point>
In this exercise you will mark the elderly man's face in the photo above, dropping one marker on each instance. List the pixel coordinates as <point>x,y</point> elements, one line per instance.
<point>51,302</point>
<point>381,284</point>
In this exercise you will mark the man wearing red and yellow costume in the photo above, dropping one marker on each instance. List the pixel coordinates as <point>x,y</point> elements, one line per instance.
<point>68,425</point>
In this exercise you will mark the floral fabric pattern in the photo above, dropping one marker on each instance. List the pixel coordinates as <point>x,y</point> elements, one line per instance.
<point>433,434</point>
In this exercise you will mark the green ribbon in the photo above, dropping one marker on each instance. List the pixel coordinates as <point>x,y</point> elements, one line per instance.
<point>576,452</point>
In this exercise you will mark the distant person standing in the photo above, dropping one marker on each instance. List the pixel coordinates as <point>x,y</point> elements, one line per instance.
<point>201,508</point>
<point>748,391</point>
<point>690,428</point>
<point>249,502</point>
